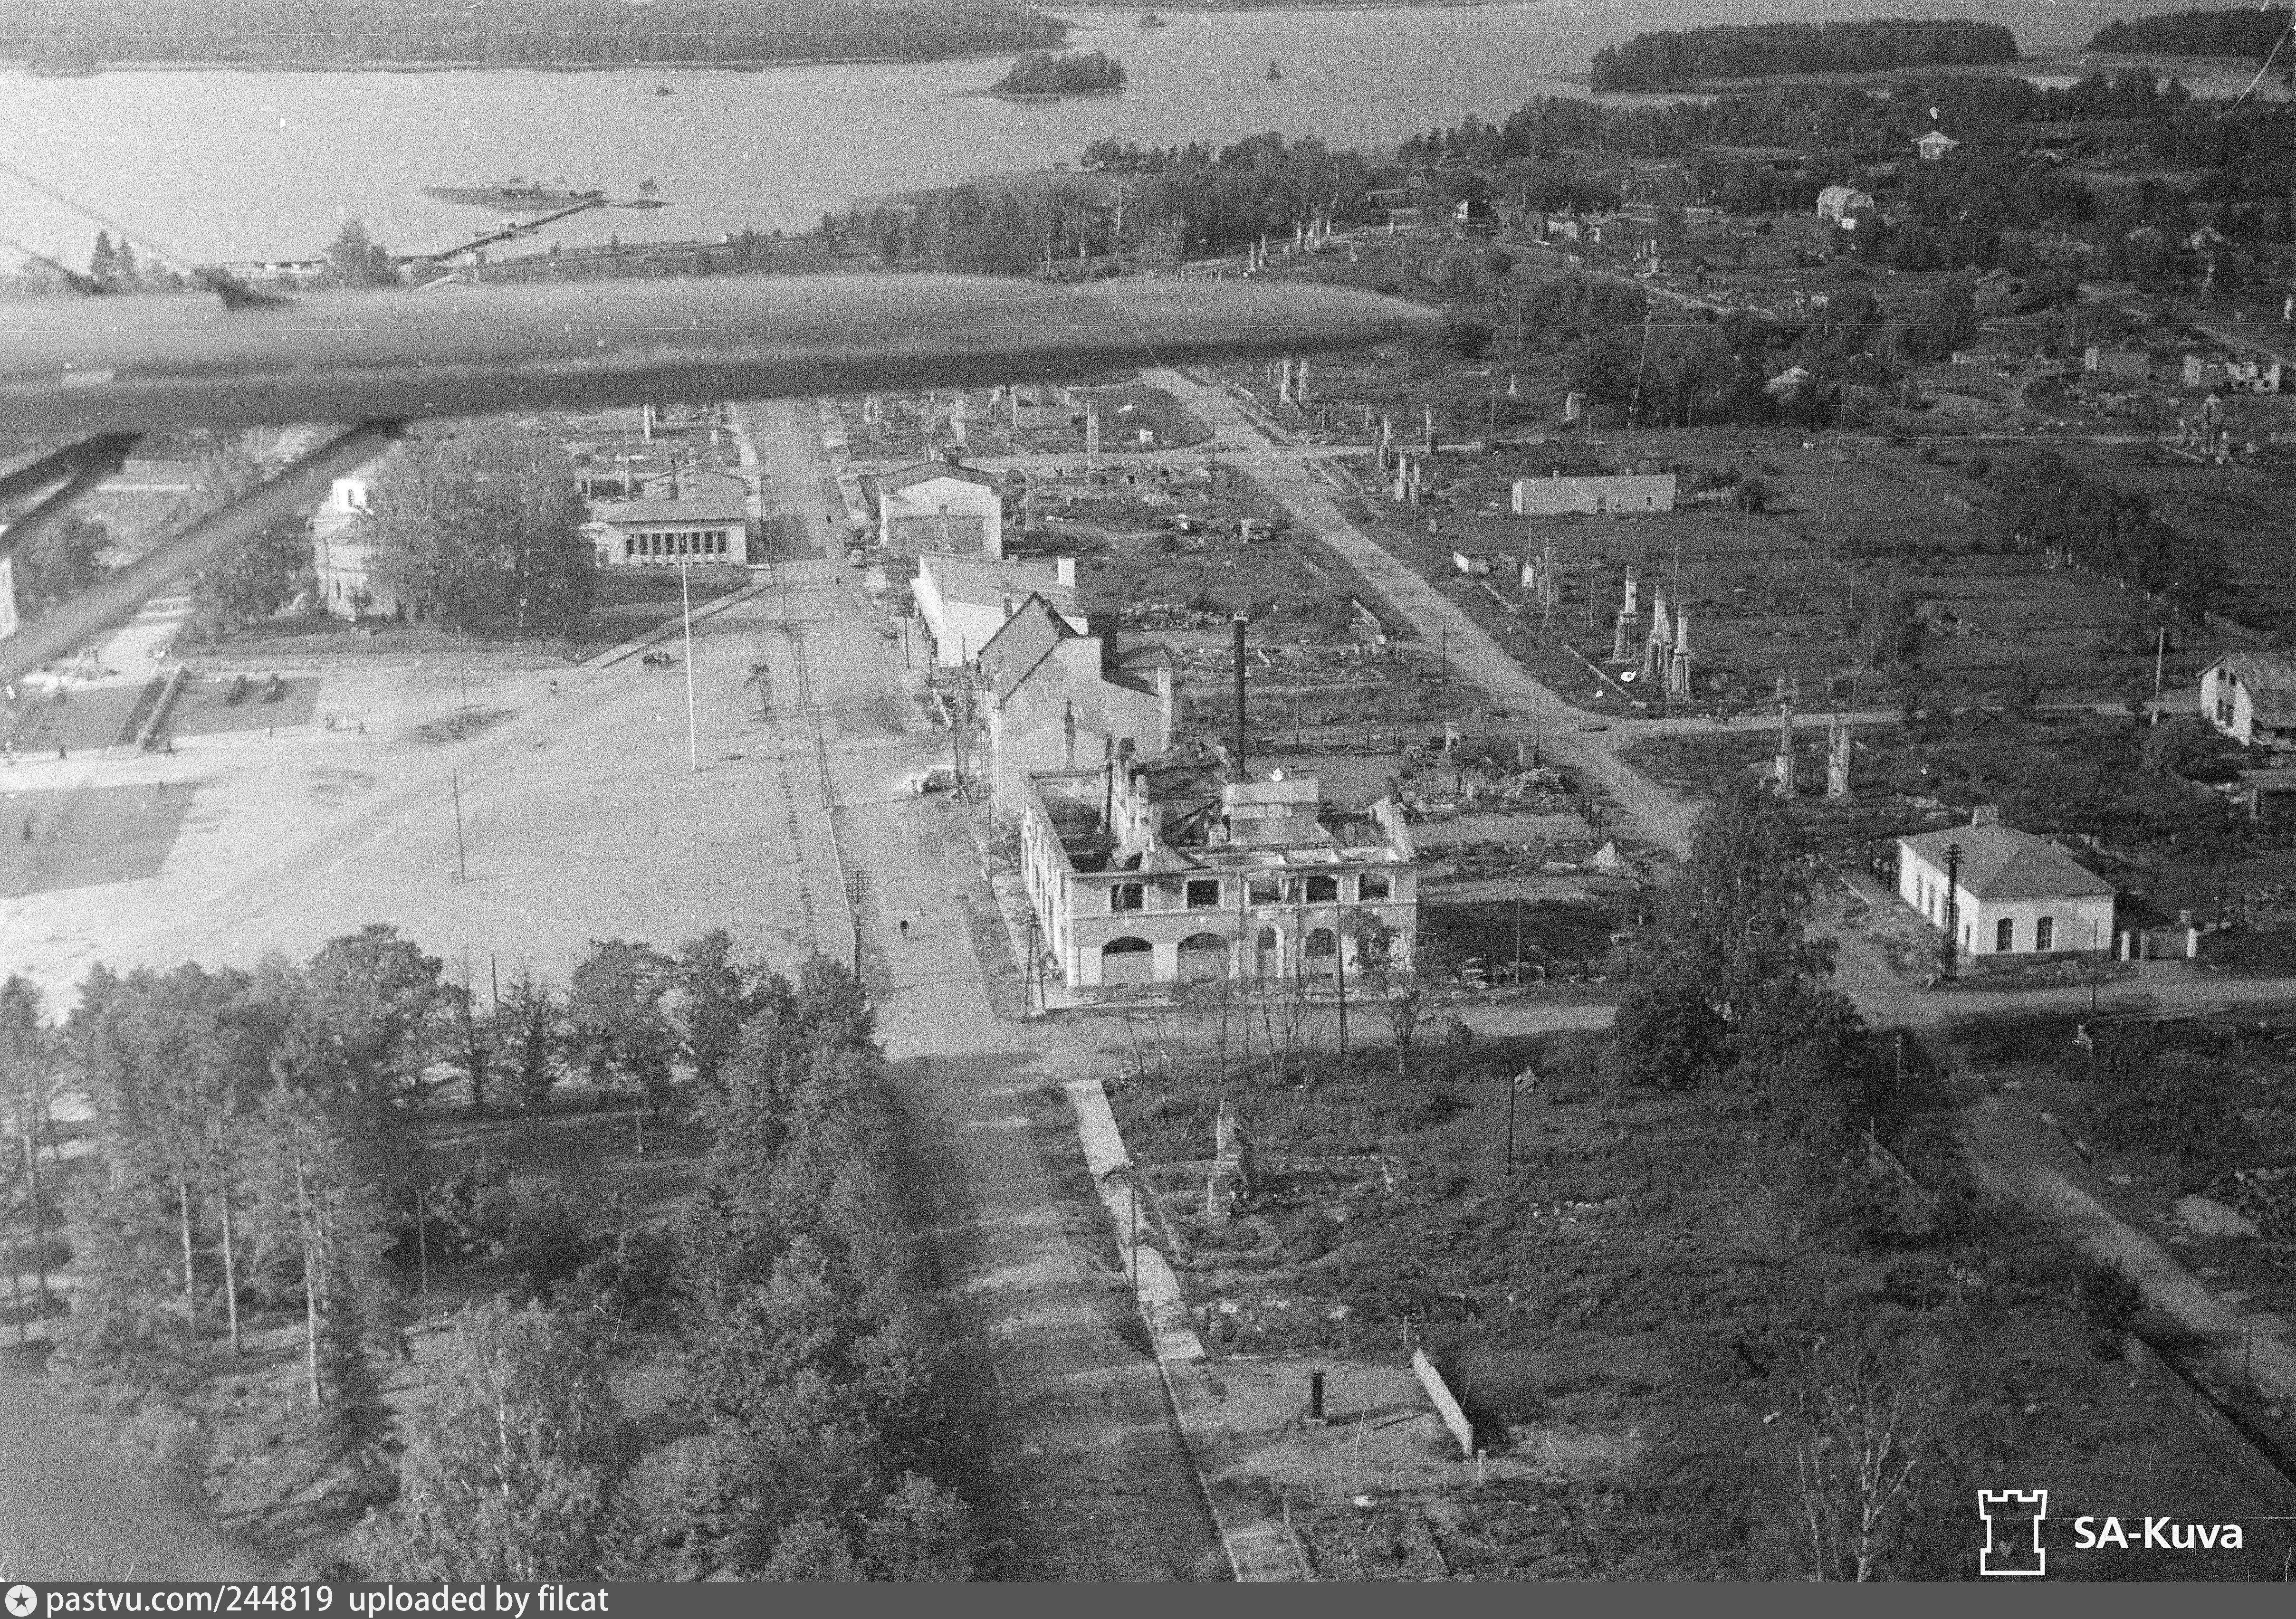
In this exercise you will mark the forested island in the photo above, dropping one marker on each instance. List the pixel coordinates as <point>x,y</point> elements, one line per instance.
<point>1072,73</point>
<point>1763,50</point>
<point>2242,33</point>
<point>78,36</point>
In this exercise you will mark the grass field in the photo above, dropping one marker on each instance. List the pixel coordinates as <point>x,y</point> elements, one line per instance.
<point>206,708</point>
<point>88,837</point>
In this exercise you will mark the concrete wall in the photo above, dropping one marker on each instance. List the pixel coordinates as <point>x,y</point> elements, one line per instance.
<point>1065,716</point>
<point>1446,1406</point>
<point>1624,495</point>
<point>1165,920</point>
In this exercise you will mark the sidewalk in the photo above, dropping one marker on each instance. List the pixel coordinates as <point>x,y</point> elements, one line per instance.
<point>663,632</point>
<point>1258,1547</point>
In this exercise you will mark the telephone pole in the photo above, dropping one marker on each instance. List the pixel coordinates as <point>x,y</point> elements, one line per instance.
<point>1950,952</point>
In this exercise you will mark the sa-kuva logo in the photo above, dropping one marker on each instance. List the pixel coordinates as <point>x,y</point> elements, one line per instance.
<point>2013,1533</point>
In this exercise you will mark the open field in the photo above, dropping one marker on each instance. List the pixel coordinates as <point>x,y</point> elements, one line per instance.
<point>1793,596</point>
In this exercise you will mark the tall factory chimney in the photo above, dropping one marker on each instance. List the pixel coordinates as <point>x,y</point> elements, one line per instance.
<point>1239,698</point>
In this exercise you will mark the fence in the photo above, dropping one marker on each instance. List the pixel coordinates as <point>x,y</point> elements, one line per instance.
<point>2270,1478</point>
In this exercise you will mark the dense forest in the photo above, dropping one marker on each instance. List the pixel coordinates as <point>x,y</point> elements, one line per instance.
<point>1654,61</point>
<point>256,1203</point>
<point>1072,73</point>
<point>2247,32</point>
<point>84,33</point>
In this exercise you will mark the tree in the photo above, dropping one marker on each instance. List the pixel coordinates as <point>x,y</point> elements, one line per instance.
<point>355,261</point>
<point>27,1064</point>
<point>716,997</point>
<point>615,1024</point>
<point>370,1013</point>
<point>512,1470</point>
<point>314,1200</point>
<point>60,561</point>
<point>253,578</point>
<point>1867,1432</point>
<point>922,1531</point>
<point>486,527</point>
<point>528,1028</point>
<point>1395,975</point>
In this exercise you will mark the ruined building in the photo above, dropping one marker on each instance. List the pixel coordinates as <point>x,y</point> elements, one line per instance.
<point>1157,871</point>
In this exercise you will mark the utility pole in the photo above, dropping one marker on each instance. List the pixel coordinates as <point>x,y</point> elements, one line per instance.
<point>2160,657</point>
<point>1340,969</point>
<point>1518,931</point>
<point>461,856</point>
<point>1949,952</point>
<point>693,742</point>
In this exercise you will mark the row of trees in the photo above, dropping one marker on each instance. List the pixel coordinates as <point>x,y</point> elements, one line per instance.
<point>1186,201</point>
<point>1654,61</point>
<point>2049,505</point>
<point>74,35</point>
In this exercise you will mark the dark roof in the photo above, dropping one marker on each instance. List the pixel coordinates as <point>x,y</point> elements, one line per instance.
<point>2270,682</point>
<point>2001,862</point>
<point>706,509</point>
<point>1021,643</point>
<point>892,483</point>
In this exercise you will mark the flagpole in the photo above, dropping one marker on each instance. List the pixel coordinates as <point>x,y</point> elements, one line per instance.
<point>692,743</point>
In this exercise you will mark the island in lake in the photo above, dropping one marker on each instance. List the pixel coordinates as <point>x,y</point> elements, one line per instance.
<point>1767,50</point>
<point>514,196</point>
<point>1072,73</point>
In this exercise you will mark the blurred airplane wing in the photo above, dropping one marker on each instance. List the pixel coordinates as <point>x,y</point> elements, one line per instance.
<point>101,371</point>
<point>86,366</point>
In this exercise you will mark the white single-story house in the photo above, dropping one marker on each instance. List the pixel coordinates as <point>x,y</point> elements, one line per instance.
<point>2251,698</point>
<point>962,602</point>
<point>940,506</point>
<point>2018,895</point>
<point>1612,494</point>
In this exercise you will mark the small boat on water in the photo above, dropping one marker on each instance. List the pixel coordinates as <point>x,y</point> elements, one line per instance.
<point>1273,72</point>
<point>1149,20</point>
<point>663,90</point>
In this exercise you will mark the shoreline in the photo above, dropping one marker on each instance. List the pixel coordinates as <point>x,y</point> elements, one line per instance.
<point>739,65</point>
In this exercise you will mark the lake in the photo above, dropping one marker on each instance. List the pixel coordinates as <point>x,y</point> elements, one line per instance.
<point>238,165</point>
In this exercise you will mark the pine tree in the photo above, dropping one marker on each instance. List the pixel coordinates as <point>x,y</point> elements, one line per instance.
<point>511,1473</point>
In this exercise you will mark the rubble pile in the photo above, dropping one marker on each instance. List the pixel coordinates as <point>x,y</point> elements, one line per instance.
<point>2266,1197</point>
